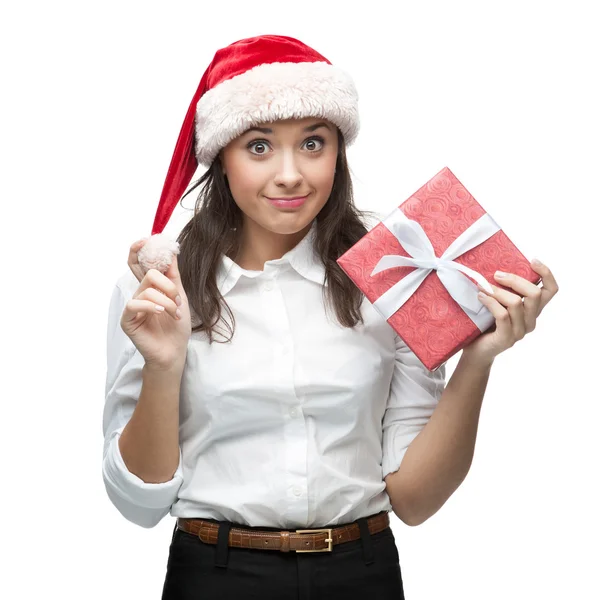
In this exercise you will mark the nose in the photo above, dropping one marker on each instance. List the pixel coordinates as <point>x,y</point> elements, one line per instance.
<point>288,174</point>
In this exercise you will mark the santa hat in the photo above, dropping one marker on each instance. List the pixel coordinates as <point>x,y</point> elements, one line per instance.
<point>251,81</point>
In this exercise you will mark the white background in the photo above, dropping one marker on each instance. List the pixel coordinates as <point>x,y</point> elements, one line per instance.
<point>505,94</point>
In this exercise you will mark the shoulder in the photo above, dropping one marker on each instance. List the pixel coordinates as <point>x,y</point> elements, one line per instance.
<point>127,283</point>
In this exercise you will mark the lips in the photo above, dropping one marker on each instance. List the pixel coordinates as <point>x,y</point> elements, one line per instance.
<point>287,203</point>
<point>288,199</point>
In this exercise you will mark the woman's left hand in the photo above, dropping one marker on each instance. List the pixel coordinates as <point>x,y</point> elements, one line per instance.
<point>515,316</point>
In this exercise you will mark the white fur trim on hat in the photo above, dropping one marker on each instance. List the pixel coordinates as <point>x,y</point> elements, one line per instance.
<point>270,92</point>
<point>157,253</point>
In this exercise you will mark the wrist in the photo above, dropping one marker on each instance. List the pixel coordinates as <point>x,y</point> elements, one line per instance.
<point>168,370</point>
<point>472,358</point>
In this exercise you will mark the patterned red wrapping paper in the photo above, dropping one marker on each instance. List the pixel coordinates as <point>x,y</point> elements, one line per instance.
<point>432,324</point>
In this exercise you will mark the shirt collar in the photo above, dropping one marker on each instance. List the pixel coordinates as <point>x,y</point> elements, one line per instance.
<point>303,258</point>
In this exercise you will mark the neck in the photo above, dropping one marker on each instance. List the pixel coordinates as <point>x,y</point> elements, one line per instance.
<point>258,245</point>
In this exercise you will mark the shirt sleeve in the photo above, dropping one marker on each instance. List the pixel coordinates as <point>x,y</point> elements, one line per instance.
<point>414,393</point>
<point>142,503</point>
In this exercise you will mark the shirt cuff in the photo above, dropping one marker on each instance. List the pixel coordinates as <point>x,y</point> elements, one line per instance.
<point>133,491</point>
<point>396,440</point>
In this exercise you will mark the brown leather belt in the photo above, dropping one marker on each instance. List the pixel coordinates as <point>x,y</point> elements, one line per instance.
<point>300,540</point>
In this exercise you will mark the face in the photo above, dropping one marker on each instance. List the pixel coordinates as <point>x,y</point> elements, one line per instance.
<point>285,159</point>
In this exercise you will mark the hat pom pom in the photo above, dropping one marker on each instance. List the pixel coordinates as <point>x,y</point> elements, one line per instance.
<point>158,252</point>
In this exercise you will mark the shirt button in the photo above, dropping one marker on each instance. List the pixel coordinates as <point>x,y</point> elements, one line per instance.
<point>269,286</point>
<point>294,412</point>
<point>297,490</point>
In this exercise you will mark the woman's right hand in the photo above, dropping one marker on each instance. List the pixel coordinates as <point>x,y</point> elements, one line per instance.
<point>161,337</point>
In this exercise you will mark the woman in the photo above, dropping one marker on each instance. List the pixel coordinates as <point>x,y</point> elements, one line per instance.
<point>274,429</point>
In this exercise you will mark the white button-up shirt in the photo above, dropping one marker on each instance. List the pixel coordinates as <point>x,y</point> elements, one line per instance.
<point>292,424</point>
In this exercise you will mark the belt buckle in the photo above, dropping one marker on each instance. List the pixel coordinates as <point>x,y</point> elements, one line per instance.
<point>329,539</point>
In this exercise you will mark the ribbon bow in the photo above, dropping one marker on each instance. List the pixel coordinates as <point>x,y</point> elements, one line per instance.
<point>414,240</point>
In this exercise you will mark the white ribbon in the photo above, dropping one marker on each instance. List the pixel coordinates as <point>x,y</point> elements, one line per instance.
<point>414,240</point>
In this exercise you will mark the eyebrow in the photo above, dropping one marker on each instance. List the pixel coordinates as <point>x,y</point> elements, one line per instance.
<point>309,128</point>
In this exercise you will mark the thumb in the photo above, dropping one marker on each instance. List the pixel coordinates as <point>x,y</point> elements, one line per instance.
<point>172,271</point>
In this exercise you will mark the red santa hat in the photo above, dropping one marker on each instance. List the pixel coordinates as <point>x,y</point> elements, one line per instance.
<point>254,80</point>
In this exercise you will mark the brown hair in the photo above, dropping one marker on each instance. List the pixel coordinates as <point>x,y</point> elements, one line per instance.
<point>214,230</point>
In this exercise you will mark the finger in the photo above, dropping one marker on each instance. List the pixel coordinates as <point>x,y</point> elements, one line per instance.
<point>137,271</point>
<point>139,243</point>
<point>531,293</point>
<point>549,285</point>
<point>155,279</point>
<point>502,317</point>
<point>136,247</point>
<point>160,299</point>
<point>516,309</point>
<point>174,274</point>
<point>132,259</point>
<point>516,282</point>
<point>173,270</point>
<point>135,306</point>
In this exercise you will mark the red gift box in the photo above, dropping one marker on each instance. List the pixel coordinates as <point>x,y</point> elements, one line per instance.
<point>449,243</point>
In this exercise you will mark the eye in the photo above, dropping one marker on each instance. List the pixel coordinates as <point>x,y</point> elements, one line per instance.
<point>314,139</point>
<point>258,143</point>
<point>309,143</point>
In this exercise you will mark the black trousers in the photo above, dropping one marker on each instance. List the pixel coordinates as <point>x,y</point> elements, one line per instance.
<point>367,568</point>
